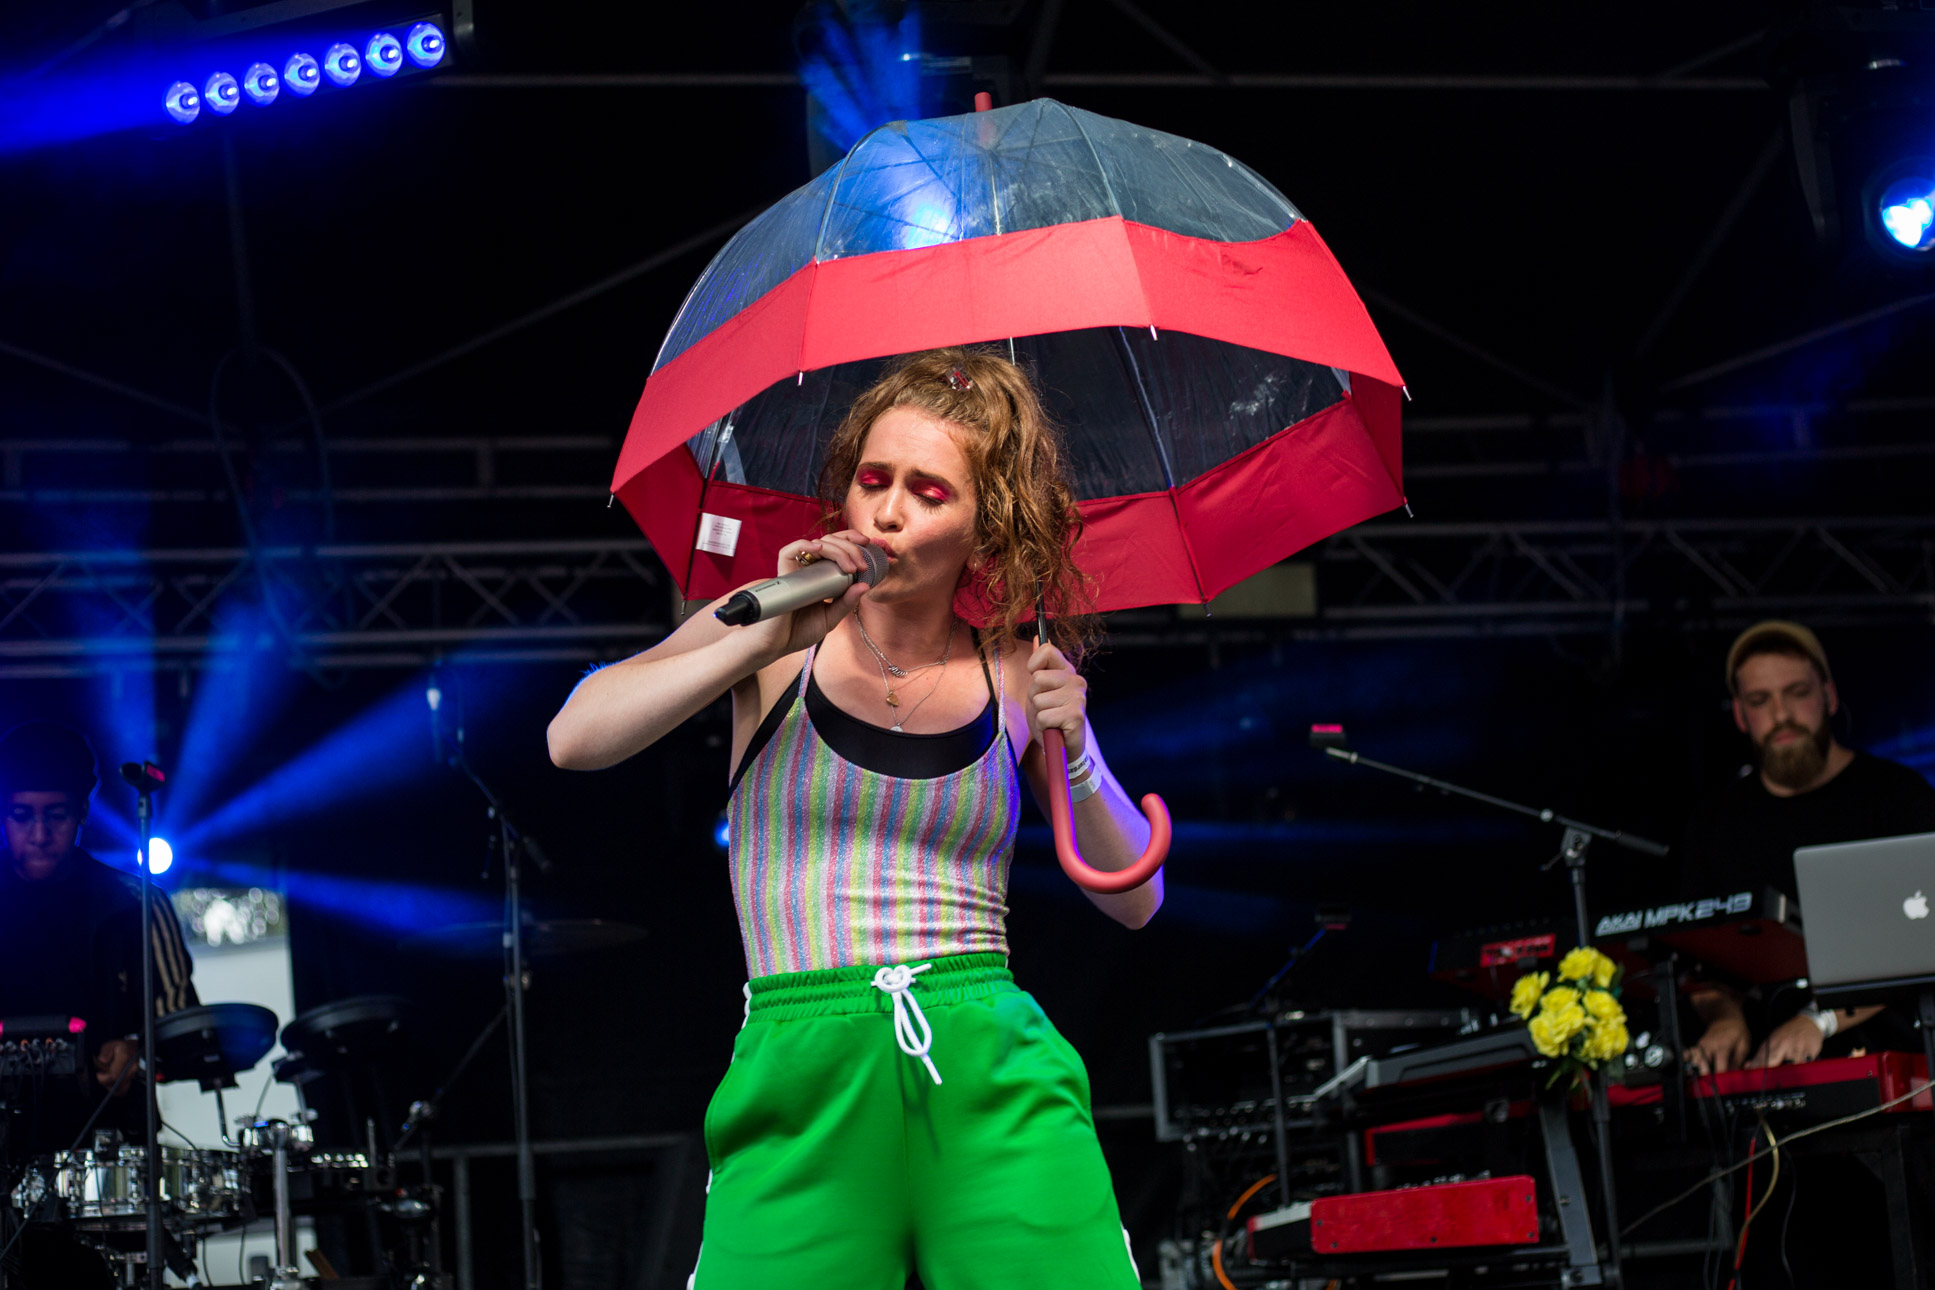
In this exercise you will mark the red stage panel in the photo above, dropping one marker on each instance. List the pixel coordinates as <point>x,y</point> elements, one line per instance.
<point>1491,1211</point>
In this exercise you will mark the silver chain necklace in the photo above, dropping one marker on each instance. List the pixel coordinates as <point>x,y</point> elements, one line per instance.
<point>893,698</point>
<point>904,673</point>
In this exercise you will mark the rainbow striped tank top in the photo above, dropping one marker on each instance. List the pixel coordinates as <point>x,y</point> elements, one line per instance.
<point>835,865</point>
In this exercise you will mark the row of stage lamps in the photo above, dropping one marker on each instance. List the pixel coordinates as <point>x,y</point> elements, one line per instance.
<point>342,65</point>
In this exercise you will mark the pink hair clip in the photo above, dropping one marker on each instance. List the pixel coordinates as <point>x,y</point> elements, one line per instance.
<point>958,380</point>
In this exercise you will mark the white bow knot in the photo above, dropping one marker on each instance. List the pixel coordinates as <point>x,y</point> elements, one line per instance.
<point>911,1031</point>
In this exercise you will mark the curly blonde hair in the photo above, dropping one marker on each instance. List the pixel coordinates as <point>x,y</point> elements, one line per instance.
<point>1026,522</point>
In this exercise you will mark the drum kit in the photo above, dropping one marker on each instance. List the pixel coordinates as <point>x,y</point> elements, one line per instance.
<point>97,1193</point>
<point>141,1205</point>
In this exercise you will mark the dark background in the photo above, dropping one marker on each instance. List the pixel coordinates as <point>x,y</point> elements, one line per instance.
<point>1543,228</point>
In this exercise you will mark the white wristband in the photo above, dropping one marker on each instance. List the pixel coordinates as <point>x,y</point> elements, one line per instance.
<point>1086,789</point>
<point>1827,1019</point>
<point>1079,767</point>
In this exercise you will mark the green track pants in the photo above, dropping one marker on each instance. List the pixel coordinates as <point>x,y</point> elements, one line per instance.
<point>839,1162</point>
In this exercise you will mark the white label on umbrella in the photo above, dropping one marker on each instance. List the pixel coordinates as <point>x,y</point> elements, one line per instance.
<point>718,534</point>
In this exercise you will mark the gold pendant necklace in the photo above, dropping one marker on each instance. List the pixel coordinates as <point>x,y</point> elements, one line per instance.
<point>893,697</point>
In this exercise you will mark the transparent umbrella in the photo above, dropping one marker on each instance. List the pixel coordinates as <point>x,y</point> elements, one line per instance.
<point>1224,397</point>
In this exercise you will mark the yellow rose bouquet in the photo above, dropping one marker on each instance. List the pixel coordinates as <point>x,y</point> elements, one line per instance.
<point>1576,1018</point>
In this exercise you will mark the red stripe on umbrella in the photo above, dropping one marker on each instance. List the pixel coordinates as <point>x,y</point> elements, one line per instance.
<point>1099,273</point>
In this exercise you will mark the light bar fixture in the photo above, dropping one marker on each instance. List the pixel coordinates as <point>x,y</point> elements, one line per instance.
<point>261,84</point>
<point>221,93</point>
<point>302,74</point>
<point>343,64</point>
<point>384,54</point>
<point>425,44</point>
<point>415,46</point>
<point>183,103</point>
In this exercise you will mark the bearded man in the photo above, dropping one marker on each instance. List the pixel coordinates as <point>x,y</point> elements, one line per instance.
<point>1805,789</point>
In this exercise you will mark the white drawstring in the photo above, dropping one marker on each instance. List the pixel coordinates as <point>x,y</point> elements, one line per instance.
<point>915,1042</point>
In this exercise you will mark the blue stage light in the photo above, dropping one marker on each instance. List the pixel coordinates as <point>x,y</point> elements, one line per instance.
<point>1907,212</point>
<point>160,856</point>
<point>342,64</point>
<point>425,44</point>
<point>384,54</point>
<point>722,833</point>
<point>302,74</point>
<point>221,93</point>
<point>183,102</point>
<point>261,84</point>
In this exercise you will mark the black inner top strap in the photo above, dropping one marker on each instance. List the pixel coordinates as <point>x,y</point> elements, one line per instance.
<point>871,747</point>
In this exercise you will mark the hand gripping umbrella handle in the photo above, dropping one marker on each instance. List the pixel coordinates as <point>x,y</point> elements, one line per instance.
<point>1061,818</point>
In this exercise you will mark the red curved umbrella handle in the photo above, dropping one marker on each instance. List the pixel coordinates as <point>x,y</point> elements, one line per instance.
<point>1060,817</point>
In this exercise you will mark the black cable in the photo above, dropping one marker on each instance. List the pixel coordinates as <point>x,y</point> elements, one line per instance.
<point>1793,1194</point>
<point>1295,958</point>
<point>1717,1155</point>
<point>1795,1136</point>
<point>261,1099</point>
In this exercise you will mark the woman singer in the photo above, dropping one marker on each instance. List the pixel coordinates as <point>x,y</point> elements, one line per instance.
<point>895,1104</point>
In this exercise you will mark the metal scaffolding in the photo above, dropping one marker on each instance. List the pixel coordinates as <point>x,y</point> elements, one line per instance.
<point>408,604</point>
<point>73,613</point>
<point>1586,576</point>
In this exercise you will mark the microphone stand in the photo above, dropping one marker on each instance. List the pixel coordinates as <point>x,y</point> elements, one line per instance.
<point>145,778</point>
<point>1578,838</point>
<point>514,843</point>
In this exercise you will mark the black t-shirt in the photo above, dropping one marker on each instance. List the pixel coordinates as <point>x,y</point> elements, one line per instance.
<point>1743,838</point>
<point>69,947</point>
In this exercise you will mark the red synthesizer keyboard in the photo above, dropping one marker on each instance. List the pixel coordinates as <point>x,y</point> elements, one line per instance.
<point>1812,1091</point>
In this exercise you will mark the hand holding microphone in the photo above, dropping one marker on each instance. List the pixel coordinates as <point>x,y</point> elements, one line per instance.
<point>839,568</point>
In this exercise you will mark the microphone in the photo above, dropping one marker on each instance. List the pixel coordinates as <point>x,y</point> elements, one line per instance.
<point>144,777</point>
<point>809,585</point>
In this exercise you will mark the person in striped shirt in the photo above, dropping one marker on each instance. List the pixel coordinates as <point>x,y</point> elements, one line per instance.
<point>895,1105</point>
<point>70,935</point>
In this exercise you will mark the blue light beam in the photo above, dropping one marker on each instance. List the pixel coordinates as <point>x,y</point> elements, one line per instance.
<point>383,749</point>
<point>393,907</point>
<point>864,76</point>
<point>233,706</point>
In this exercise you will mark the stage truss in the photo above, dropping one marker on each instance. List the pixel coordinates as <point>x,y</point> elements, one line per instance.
<point>405,605</point>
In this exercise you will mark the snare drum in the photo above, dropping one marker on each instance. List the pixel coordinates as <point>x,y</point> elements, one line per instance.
<point>104,1189</point>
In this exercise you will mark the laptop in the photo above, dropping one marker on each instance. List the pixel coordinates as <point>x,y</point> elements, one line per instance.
<point>1866,907</point>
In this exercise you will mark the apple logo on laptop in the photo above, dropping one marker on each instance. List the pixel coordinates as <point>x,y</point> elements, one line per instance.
<point>1916,906</point>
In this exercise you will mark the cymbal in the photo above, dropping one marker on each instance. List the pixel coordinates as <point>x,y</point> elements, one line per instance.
<point>543,938</point>
<point>343,1034</point>
<point>213,1043</point>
